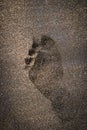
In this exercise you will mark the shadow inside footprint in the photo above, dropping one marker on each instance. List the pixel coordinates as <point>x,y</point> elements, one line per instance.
<point>47,42</point>
<point>28,60</point>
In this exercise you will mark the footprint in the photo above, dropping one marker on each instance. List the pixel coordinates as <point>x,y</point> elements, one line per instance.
<point>45,66</point>
<point>46,73</point>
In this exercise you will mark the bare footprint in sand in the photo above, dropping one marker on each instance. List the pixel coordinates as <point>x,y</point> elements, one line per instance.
<point>45,69</point>
<point>45,66</point>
